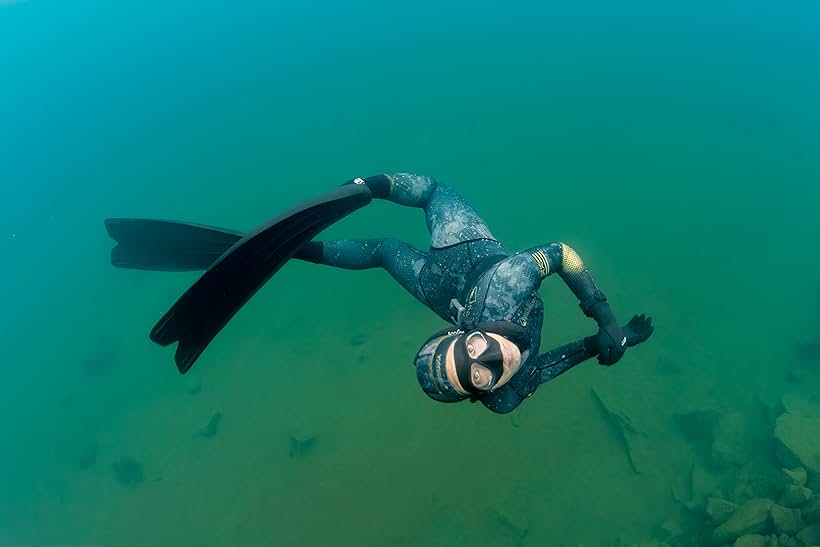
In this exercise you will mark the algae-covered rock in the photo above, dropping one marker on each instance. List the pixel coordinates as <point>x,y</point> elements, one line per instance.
<point>750,518</point>
<point>796,476</point>
<point>785,520</point>
<point>810,535</point>
<point>632,436</point>
<point>756,540</point>
<point>798,442</point>
<point>795,496</point>
<point>719,510</point>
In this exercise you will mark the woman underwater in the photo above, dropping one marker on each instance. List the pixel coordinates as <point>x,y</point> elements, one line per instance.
<point>490,353</point>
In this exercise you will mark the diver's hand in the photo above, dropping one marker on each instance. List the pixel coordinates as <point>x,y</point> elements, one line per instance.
<point>612,342</point>
<point>638,330</point>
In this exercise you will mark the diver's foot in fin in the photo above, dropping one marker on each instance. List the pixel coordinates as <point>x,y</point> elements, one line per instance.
<point>166,245</point>
<point>207,306</point>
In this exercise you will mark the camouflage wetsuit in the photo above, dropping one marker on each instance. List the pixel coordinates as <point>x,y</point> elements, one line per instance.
<point>466,262</point>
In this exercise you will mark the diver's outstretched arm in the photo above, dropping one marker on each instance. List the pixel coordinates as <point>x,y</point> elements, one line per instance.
<point>562,259</point>
<point>559,360</point>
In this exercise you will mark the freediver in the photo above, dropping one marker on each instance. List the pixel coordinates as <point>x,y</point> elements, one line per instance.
<point>490,351</point>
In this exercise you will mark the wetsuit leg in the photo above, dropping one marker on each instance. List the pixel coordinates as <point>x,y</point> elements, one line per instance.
<point>450,218</point>
<point>401,260</point>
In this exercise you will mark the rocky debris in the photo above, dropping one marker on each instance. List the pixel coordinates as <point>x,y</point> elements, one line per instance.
<point>756,479</point>
<point>212,427</point>
<point>795,496</point>
<point>719,510</point>
<point>128,471</point>
<point>785,520</point>
<point>301,444</point>
<point>797,476</point>
<point>810,535</point>
<point>632,437</point>
<point>750,518</point>
<point>798,442</point>
<point>811,511</point>
<point>784,540</point>
<point>756,540</point>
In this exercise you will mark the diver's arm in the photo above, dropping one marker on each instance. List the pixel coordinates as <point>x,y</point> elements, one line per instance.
<point>562,259</point>
<point>559,360</point>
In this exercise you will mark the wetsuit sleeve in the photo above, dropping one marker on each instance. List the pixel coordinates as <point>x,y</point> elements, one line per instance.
<point>559,360</point>
<point>562,259</point>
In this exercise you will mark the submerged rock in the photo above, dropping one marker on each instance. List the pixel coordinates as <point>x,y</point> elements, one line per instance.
<point>756,540</point>
<point>210,429</point>
<point>719,510</point>
<point>128,471</point>
<point>798,442</point>
<point>810,535</point>
<point>808,407</point>
<point>632,437</point>
<point>811,511</point>
<point>795,496</point>
<point>796,476</point>
<point>750,518</point>
<point>757,479</point>
<point>785,540</point>
<point>785,520</point>
<point>301,444</point>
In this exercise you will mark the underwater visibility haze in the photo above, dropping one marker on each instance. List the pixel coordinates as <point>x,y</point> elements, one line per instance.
<point>673,145</point>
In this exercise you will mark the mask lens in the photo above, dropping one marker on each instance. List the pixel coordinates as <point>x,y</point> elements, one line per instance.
<point>482,378</point>
<point>476,344</point>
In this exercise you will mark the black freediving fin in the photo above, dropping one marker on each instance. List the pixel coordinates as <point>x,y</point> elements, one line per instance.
<point>207,306</point>
<point>167,245</point>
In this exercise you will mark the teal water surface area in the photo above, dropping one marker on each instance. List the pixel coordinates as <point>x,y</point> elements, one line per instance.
<point>674,146</point>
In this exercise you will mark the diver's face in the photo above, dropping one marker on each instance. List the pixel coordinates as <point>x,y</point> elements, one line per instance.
<point>480,375</point>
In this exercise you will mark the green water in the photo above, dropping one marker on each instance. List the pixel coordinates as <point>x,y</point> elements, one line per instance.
<point>673,145</point>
